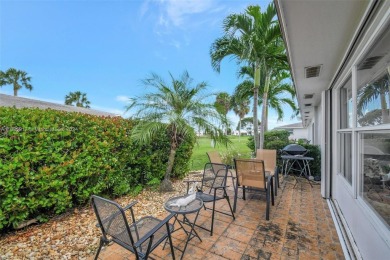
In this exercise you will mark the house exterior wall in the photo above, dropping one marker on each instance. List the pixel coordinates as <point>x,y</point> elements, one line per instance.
<point>317,125</point>
<point>350,190</point>
<point>299,133</point>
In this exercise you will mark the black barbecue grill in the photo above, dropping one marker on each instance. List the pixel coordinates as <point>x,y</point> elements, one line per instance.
<point>294,149</point>
<point>295,159</point>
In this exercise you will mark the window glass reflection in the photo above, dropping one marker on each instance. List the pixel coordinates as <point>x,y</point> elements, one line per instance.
<point>373,92</point>
<point>375,158</point>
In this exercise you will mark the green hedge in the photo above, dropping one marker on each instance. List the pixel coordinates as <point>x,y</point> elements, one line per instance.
<point>278,139</point>
<point>51,161</point>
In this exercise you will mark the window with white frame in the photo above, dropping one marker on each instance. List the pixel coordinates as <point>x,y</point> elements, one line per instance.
<point>372,113</point>
<point>345,136</point>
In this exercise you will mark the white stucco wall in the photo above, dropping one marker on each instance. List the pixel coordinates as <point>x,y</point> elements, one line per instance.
<point>299,133</point>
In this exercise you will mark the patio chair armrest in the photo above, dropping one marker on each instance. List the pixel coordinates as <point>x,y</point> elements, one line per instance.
<point>130,205</point>
<point>154,230</point>
<point>269,180</point>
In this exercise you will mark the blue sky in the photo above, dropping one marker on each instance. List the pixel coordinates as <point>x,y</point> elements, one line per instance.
<point>105,48</point>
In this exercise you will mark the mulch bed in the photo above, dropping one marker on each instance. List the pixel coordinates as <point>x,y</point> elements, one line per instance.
<point>74,235</point>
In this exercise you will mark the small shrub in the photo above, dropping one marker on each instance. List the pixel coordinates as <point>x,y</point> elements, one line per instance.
<point>229,155</point>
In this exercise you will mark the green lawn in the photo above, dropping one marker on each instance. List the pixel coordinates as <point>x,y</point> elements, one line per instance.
<point>199,156</point>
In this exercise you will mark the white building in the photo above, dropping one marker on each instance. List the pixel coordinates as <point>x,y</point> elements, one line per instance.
<point>339,52</point>
<point>297,131</point>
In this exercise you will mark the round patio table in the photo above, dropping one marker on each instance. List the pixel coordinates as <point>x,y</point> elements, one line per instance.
<point>192,207</point>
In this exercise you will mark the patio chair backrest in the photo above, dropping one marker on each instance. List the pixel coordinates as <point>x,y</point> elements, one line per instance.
<point>269,158</point>
<point>214,175</point>
<point>214,157</point>
<point>250,172</point>
<point>112,220</point>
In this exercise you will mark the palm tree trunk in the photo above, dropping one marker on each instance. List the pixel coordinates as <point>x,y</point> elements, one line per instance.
<point>255,104</point>
<point>264,110</point>
<point>239,129</point>
<point>166,184</point>
<point>266,118</point>
<point>385,113</point>
<point>15,90</point>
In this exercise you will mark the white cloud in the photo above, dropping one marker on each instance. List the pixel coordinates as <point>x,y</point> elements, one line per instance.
<point>178,10</point>
<point>144,8</point>
<point>122,98</point>
<point>183,15</point>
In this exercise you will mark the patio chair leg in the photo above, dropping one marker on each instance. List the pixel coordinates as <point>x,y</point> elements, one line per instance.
<point>243,192</point>
<point>212,216</point>
<point>235,198</point>
<point>170,241</point>
<point>272,193</point>
<point>267,209</point>
<point>230,206</point>
<point>149,246</point>
<point>101,243</point>
<point>276,181</point>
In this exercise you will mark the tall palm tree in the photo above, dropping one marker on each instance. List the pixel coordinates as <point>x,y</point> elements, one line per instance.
<point>277,88</point>
<point>241,109</point>
<point>252,37</point>
<point>222,105</point>
<point>371,93</point>
<point>175,108</point>
<point>78,99</point>
<point>17,78</point>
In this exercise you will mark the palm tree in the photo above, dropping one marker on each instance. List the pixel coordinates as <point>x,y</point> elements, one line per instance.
<point>222,105</point>
<point>277,88</point>
<point>77,98</point>
<point>175,108</point>
<point>17,78</point>
<point>252,37</point>
<point>241,109</point>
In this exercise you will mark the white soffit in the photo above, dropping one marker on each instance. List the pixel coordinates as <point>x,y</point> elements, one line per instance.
<point>318,33</point>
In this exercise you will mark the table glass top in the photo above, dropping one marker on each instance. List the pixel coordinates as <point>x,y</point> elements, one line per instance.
<point>173,205</point>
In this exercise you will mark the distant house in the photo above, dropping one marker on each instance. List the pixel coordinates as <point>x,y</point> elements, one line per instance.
<point>296,130</point>
<point>19,102</point>
<point>243,132</point>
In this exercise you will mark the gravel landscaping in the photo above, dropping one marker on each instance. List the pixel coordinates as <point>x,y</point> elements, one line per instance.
<point>74,235</point>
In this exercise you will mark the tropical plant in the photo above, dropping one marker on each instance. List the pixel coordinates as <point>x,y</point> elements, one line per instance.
<point>371,93</point>
<point>16,78</point>
<point>78,99</point>
<point>240,107</point>
<point>222,105</point>
<point>277,87</point>
<point>174,108</point>
<point>254,38</point>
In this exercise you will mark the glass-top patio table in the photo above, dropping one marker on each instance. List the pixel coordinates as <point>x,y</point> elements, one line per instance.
<point>192,207</point>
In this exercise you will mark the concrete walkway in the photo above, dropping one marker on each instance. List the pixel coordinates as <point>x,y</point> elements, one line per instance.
<point>300,227</point>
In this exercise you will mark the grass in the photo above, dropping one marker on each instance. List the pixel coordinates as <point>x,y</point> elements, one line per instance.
<point>199,156</point>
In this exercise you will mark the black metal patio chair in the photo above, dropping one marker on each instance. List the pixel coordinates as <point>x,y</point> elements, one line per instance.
<point>213,188</point>
<point>215,157</point>
<point>140,237</point>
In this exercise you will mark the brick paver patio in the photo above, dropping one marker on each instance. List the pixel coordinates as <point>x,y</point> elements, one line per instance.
<point>300,227</point>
